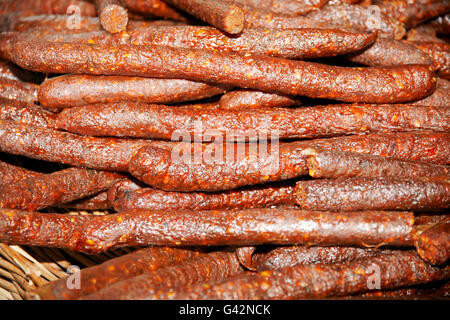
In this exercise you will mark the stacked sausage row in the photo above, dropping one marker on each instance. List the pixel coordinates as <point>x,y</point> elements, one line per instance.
<point>284,149</point>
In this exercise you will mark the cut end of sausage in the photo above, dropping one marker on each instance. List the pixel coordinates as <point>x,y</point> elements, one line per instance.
<point>234,20</point>
<point>114,19</point>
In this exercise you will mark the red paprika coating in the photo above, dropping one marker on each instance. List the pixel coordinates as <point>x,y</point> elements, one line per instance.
<point>440,97</point>
<point>388,52</point>
<point>192,168</point>
<point>433,243</point>
<point>156,8</point>
<point>334,164</point>
<point>76,90</point>
<point>439,52</point>
<point>56,146</point>
<point>393,84</point>
<point>23,113</point>
<point>10,173</point>
<point>222,14</point>
<point>413,12</point>
<point>213,266</point>
<point>282,257</point>
<point>133,264</point>
<point>397,269</point>
<point>154,199</point>
<point>284,7</point>
<point>129,119</point>
<point>36,193</point>
<point>383,193</point>
<point>18,90</point>
<point>245,99</point>
<point>120,188</point>
<point>113,15</point>
<point>93,233</point>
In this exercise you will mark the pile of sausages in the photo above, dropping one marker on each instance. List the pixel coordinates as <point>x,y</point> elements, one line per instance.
<point>281,149</point>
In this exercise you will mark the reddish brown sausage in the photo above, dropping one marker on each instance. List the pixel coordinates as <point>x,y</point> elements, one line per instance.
<point>214,266</point>
<point>113,15</point>
<point>384,193</point>
<point>388,52</point>
<point>94,278</point>
<point>97,202</point>
<point>77,90</point>
<point>413,12</point>
<point>282,257</point>
<point>56,146</point>
<point>194,168</point>
<point>92,233</point>
<point>433,243</point>
<point>23,113</point>
<point>284,7</point>
<point>222,14</point>
<point>63,186</point>
<point>245,256</point>
<point>129,119</point>
<point>18,90</point>
<point>153,199</point>
<point>334,164</point>
<point>393,84</point>
<point>245,99</point>
<point>394,269</point>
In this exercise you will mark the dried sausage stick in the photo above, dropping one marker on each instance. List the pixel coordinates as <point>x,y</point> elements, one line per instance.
<point>154,199</point>
<point>56,146</point>
<point>94,278</point>
<point>396,269</point>
<point>23,113</point>
<point>393,84</point>
<point>11,173</point>
<point>157,8</point>
<point>18,90</point>
<point>284,7</point>
<point>384,193</point>
<point>334,164</point>
<point>440,97</point>
<point>433,243</point>
<point>388,52</point>
<point>190,168</point>
<point>92,233</point>
<point>113,15</point>
<point>215,266</point>
<point>222,14</point>
<point>282,257</point>
<point>63,186</point>
<point>121,188</point>
<point>349,18</point>
<point>246,99</point>
<point>413,12</point>
<point>245,257</point>
<point>77,90</point>
<point>129,119</point>
<point>439,52</point>
<point>288,43</point>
